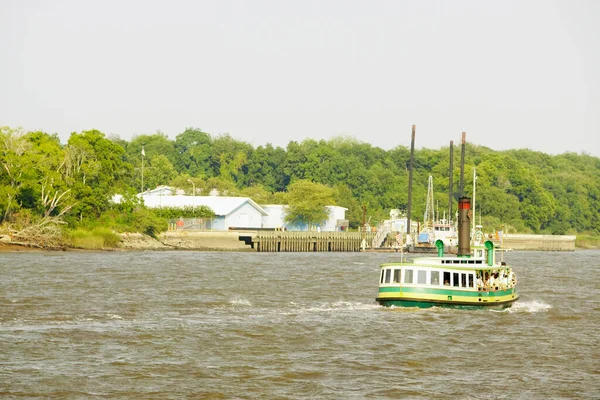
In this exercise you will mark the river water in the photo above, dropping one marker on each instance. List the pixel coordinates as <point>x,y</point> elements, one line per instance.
<point>218,325</point>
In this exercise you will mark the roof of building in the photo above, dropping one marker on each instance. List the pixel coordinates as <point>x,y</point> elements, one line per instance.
<point>221,205</point>
<point>284,206</point>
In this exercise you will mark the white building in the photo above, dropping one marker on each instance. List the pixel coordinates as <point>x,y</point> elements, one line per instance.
<point>238,212</point>
<point>275,219</point>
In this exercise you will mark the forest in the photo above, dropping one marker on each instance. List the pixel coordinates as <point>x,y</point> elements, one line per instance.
<point>47,184</point>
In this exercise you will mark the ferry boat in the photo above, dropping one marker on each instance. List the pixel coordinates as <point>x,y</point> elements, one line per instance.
<point>470,279</point>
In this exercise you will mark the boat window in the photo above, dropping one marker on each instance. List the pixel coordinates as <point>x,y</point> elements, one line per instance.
<point>455,281</point>
<point>388,274</point>
<point>422,277</point>
<point>471,280</point>
<point>463,280</point>
<point>382,273</point>
<point>446,278</point>
<point>408,276</point>
<point>435,278</point>
<point>397,275</point>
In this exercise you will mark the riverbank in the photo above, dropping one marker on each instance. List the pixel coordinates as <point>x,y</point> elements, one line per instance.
<point>231,241</point>
<point>172,240</point>
<point>11,247</point>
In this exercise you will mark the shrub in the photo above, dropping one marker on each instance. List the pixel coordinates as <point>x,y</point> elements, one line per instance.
<point>95,239</point>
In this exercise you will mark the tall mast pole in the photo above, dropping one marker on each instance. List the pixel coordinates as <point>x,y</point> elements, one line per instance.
<point>451,183</point>
<point>462,166</point>
<point>410,178</point>
<point>474,184</point>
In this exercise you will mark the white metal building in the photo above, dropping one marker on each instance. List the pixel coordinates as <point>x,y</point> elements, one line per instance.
<point>238,212</point>
<point>276,213</point>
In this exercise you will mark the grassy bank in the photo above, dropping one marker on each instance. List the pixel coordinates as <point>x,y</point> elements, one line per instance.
<point>95,239</point>
<point>587,242</point>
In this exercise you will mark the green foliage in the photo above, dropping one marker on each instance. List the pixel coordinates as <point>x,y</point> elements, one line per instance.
<point>183,212</point>
<point>159,173</point>
<point>306,202</point>
<point>523,190</point>
<point>193,148</point>
<point>587,241</point>
<point>258,193</point>
<point>95,239</point>
<point>141,219</point>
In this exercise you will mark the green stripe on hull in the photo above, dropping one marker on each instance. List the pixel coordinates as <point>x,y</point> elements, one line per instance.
<point>444,292</point>
<point>410,296</point>
<point>460,305</point>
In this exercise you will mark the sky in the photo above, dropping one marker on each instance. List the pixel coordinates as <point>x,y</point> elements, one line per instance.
<point>511,74</point>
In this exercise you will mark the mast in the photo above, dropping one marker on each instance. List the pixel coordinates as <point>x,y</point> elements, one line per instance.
<point>461,186</point>
<point>429,216</point>
<point>474,180</point>
<point>450,184</point>
<point>410,178</point>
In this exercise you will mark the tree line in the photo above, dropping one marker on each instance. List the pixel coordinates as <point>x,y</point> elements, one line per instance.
<point>42,179</point>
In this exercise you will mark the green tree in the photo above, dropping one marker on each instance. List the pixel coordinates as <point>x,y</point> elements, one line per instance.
<point>193,149</point>
<point>96,168</point>
<point>160,172</point>
<point>258,194</point>
<point>229,159</point>
<point>307,203</point>
<point>264,168</point>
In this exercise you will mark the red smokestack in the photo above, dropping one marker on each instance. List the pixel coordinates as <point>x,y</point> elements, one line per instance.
<point>464,223</point>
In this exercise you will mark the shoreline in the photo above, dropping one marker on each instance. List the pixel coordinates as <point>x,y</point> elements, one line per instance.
<point>20,247</point>
<point>25,248</point>
<point>207,241</point>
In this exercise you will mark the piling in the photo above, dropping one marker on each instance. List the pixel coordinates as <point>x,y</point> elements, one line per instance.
<point>282,241</point>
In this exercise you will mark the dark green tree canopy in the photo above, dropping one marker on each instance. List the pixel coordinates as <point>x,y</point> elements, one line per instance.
<point>524,190</point>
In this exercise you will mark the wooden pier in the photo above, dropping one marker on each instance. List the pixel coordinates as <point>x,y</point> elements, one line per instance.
<point>283,241</point>
<point>286,241</point>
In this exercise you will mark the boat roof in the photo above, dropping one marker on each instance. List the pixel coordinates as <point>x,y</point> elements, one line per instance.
<point>447,262</point>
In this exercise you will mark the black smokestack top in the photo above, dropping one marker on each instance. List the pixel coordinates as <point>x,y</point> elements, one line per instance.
<point>410,178</point>
<point>464,223</point>
<point>451,181</point>
<point>461,186</point>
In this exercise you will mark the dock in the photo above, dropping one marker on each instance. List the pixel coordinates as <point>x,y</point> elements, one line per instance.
<point>286,241</point>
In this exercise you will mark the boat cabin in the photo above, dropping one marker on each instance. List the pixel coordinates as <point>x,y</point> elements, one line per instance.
<point>458,274</point>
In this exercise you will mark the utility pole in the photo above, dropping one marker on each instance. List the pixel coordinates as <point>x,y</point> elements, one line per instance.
<point>143,154</point>
<point>193,196</point>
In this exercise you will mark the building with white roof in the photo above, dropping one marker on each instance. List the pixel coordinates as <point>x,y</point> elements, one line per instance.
<point>237,212</point>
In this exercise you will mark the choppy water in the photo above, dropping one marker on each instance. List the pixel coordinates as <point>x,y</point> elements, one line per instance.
<point>141,325</point>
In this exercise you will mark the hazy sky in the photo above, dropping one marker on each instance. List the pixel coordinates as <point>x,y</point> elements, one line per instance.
<point>512,74</point>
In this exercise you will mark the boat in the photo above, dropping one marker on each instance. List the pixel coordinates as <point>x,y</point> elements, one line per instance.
<point>472,279</point>
<point>445,231</point>
<point>434,230</point>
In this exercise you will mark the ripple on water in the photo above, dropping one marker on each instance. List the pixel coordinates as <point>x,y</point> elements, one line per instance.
<point>181,325</point>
